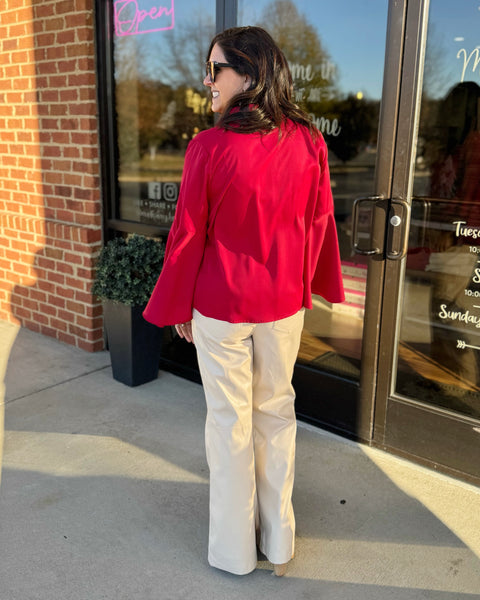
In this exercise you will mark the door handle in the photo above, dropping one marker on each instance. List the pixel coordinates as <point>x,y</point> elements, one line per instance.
<point>398,229</point>
<point>368,208</point>
<point>362,226</point>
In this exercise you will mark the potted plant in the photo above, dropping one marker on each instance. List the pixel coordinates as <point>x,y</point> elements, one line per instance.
<point>127,270</point>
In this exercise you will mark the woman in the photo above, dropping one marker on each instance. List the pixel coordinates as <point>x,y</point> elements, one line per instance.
<point>254,235</point>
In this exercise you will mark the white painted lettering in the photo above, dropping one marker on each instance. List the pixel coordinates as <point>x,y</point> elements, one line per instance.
<point>302,72</point>
<point>327,126</point>
<point>463,316</point>
<point>466,60</point>
<point>463,230</point>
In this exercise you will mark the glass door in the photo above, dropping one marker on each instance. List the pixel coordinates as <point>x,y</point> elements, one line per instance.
<point>337,67</point>
<point>428,390</point>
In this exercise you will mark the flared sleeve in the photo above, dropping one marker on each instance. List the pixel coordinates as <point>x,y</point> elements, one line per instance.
<point>322,266</point>
<point>172,298</point>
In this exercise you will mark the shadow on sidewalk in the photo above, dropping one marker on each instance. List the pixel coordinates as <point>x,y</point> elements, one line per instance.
<point>105,496</point>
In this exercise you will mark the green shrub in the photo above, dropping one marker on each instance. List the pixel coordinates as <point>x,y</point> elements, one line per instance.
<point>127,269</point>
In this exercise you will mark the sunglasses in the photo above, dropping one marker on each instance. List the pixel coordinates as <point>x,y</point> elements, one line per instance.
<point>212,68</point>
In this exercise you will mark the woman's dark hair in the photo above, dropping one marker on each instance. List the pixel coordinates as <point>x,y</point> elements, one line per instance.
<point>268,101</point>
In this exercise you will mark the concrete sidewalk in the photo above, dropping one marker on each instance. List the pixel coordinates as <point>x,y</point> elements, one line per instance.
<point>104,496</point>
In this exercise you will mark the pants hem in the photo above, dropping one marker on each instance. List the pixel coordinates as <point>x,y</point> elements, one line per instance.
<point>223,567</point>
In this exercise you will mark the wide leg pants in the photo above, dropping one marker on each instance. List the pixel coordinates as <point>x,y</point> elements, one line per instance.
<point>250,431</point>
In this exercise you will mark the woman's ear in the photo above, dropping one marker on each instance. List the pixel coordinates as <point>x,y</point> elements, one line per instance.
<point>247,83</point>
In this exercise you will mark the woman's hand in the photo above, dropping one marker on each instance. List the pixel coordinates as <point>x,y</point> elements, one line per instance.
<point>184,330</point>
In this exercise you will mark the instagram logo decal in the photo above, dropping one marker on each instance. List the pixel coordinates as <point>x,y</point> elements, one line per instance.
<point>170,192</point>
<point>133,17</point>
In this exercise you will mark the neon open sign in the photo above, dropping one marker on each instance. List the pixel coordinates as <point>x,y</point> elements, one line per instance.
<point>132,17</point>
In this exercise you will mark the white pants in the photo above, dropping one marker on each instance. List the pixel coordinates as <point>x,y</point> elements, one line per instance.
<point>250,432</point>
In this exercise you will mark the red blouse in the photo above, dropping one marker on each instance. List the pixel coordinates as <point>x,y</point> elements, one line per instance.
<point>254,232</point>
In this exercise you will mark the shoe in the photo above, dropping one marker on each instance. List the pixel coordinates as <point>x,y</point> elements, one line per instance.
<point>280,570</point>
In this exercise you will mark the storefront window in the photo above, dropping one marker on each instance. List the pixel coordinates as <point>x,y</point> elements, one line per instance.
<point>160,102</point>
<point>439,350</point>
<point>337,67</point>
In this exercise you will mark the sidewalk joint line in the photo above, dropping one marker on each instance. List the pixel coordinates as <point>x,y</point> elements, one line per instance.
<point>50,387</point>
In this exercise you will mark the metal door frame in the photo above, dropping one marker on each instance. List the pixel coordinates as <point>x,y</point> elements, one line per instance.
<point>397,137</point>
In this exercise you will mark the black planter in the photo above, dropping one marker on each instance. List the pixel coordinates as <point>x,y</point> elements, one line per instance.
<point>134,344</point>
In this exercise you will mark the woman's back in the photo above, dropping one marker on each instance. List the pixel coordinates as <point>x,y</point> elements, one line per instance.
<point>262,192</point>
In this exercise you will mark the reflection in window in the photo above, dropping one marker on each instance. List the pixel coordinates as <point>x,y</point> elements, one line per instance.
<point>439,352</point>
<point>160,104</point>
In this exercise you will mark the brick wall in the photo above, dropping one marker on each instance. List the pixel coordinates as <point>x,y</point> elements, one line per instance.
<point>50,204</point>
